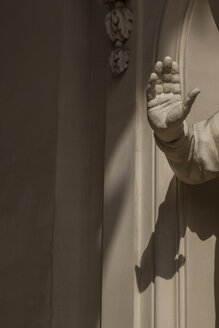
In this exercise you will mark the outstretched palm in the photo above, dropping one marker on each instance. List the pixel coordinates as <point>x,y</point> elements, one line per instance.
<point>166,110</point>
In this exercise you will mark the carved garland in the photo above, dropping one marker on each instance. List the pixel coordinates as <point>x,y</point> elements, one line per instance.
<point>118,24</point>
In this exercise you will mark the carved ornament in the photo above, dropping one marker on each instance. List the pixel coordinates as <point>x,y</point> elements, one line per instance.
<point>118,24</point>
<point>118,61</point>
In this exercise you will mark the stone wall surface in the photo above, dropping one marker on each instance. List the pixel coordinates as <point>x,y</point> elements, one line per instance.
<point>30,34</point>
<point>53,68</point>
<point>95,230</point>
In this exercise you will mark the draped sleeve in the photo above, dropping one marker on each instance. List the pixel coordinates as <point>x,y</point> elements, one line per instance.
<point>194,156</point>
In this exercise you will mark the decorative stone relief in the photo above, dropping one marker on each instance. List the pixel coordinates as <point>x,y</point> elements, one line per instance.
<point>118,61</point>
<point>118,24</point>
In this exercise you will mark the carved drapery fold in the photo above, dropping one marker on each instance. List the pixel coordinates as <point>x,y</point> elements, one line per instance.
<point>118,23</point>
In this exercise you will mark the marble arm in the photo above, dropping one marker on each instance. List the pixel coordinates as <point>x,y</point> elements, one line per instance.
<point>193,153</point>
<point>194,156</point>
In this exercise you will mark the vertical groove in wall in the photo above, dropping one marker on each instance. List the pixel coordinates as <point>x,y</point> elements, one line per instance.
<point>181,281</point>
<point>154,181</point>
<point>181,56</point>
<point>182,45</point>
<point>93,75</point>
<point>153,188</point>
<point>187,9</point>
<point>177,256</point>
<point>139,183</point>
<point>181,306</point>
<point>56,164</point>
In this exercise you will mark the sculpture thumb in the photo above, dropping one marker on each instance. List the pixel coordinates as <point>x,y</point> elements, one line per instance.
<point>189,100</point>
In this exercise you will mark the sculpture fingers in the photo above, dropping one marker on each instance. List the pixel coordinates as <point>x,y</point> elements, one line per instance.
<point>151,88</point>
<point>159,71</point>
<point>176,87</point>
<point>189,100</point>
<point>167,75</point>
<point>167,65</point>
<point>170,77</point>
<point>158,68</point>
<point>175,72</point>
<point>151,92</point>
<point>153,79</point>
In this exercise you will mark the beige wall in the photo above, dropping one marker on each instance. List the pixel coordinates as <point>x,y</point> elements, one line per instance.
<point>76,299</point>
<point>51,166</point>
<point>30,34</point>
<point>85,196</point>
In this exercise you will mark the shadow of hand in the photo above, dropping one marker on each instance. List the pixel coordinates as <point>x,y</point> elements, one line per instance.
<point>143,282</point>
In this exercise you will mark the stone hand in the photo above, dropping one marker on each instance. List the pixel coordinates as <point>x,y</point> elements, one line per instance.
<point>166,109</point>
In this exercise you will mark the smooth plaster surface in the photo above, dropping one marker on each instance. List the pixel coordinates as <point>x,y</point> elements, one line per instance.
<point>30,34</point>
<point>51,166</point>
<point>77,269</point>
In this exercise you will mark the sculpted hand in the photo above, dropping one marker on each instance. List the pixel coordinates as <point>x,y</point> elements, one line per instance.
<point>166,110</point>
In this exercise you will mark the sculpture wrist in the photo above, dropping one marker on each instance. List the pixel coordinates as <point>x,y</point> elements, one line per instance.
<point>170,135</point>
<point>175,145</point>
